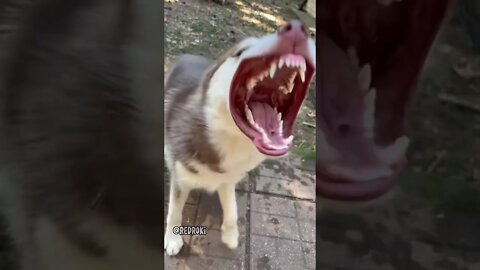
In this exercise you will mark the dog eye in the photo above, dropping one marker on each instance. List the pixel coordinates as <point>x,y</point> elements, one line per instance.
<point>239,52</point>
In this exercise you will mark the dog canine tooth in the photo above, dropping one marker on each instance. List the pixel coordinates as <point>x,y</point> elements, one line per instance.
<point>280,126</point>
<point>365,78</point>
<point>273,68</point>
<point>302,74</point>
<point>281,62</point>
<point>279,116</point>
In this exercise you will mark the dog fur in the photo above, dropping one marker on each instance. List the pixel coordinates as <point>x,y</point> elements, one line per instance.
<point>81,133</point>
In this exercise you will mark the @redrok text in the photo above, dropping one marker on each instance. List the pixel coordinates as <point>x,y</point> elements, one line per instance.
<point>190,230</point>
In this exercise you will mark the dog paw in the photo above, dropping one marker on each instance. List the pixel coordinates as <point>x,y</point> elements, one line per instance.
<point>230,237</point>
<point>173,243</point>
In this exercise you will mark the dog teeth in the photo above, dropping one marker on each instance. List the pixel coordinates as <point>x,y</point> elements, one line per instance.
<point>288,62</point>
<point>249,114</point>
<point>280,126</point>
<point>279,116</point>
<point>262,76</point>
<point>292,78</point>
<point>289,140</point>
<point>264,136</point>
<point>273,68</point>
<point>283,89</point>
<point>304,65</point>
<point>302,74</point>
<point>281,62</point>
<point>290,87</point>
<point>251,84</point>
<point>296,63</point>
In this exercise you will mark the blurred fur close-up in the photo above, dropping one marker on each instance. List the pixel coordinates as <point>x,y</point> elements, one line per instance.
<point>81,135</point>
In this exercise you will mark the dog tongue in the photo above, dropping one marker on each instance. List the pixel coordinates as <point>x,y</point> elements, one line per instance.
<point>266,117</point>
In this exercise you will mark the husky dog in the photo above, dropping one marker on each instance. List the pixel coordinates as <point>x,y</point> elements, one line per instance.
<point>223,119</point>
<point>81,133</point>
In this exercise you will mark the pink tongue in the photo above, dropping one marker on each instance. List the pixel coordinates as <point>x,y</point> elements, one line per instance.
<point>266,117</point>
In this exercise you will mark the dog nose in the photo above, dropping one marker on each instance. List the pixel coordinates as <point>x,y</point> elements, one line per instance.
<point>294,30</point>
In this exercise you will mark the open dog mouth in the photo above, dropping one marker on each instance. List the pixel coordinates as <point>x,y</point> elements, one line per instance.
<point>266,95</point>
<point>371,54</point>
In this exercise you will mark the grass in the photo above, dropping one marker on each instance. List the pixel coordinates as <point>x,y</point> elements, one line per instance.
<point>459,197</point>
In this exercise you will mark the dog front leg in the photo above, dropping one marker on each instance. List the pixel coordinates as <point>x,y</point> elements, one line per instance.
<point>178,196</point>
<point>226,194</point>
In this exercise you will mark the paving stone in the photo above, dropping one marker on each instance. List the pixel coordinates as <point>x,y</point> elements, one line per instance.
<point>277,226</point>
<point>298,162</point>
<point>212,245</point>
<point>309,253</point>
<point>193,197</point>
<point>272,205</point>
<point>245,184</point>
<point>210,211</point>
<point>208,263</point>
<point>174,263</point>
<point>305,210</point>
<point>274,253</point>
<point>290,255</point>
<point>296,189</point>
<point>307,230</point>
<point>278,170</point>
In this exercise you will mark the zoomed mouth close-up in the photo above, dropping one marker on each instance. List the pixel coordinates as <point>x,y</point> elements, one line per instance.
<point>371,56</point>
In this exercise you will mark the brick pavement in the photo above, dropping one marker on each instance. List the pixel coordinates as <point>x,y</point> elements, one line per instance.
<point>276,221</point>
